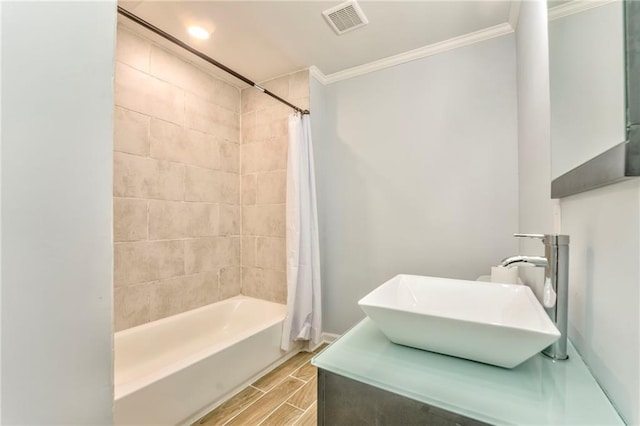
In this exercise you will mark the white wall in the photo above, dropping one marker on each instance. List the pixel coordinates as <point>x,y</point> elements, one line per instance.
<point>586,51</point>
<point>604,288</point>
<point>604,227</point>
<point>417,172</point>
<point>0,214</point>
<point>534,150</point>
<point>57,104</point>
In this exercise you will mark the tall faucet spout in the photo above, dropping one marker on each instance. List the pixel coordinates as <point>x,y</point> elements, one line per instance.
<point>556,271</point>
<point>541,262</point>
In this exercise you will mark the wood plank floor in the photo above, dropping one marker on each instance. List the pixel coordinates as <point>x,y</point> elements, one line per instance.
<point>286,396</point>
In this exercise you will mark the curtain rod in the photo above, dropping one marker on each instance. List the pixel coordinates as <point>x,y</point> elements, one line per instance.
<point>201,55</point>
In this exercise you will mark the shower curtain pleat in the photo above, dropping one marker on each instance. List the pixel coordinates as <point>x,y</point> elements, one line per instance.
<point>304,310</point>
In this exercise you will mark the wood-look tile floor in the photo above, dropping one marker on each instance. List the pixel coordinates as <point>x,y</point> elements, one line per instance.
<point>286,396</point>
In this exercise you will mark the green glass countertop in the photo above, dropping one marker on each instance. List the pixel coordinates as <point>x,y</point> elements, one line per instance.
<point>539,391</point>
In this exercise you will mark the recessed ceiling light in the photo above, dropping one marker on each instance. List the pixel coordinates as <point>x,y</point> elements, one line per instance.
<point>198,32</point>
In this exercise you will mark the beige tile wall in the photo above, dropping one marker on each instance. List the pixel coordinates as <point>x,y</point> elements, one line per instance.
<point>176,185</point>
<point>199,211</point>
<point>263,184</point>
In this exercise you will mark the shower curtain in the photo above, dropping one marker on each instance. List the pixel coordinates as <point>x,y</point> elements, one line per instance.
<point>303,320</point>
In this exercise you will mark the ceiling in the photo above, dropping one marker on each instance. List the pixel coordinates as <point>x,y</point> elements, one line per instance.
<point>267,39</point>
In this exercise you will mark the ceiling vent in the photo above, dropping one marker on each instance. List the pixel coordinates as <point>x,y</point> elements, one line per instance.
<point>345,17</point>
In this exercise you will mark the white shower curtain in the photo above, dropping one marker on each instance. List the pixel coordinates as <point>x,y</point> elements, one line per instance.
<point>304,313</point>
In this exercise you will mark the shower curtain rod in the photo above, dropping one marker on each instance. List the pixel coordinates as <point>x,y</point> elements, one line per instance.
<point>201,55</point>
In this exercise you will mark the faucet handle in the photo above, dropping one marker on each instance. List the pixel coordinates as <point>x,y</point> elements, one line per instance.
<point>548,239</point>
<point>538,236</point>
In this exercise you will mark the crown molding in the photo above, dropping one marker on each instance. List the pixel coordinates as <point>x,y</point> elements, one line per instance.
<point>575,6</point>
<point>318,75</point>
<point>514,13</point>
<point>412,55</point>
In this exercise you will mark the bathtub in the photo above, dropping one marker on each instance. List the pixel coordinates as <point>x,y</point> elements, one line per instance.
<point>175,369</point>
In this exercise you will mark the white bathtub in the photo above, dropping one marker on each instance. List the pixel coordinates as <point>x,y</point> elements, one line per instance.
<point>172,370</point>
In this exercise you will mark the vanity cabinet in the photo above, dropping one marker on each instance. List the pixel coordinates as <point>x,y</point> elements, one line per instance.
<point>343,401</point>
<point>364,379</point>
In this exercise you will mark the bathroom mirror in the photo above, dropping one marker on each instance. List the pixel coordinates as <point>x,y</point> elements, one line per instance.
<point>594,56</point>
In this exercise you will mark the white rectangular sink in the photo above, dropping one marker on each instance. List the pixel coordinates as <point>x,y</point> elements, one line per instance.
<point>499,324</point>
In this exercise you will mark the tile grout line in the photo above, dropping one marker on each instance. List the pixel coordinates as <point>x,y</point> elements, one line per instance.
<point>297,408</point>
<point>310,406</point>
<point>279,382</point>
<point>187,239</point>
<point>276,409</point>
<point>128,197</point>
<point>305,383</point>
<point>305,412</point>
<point>298,390</point>
<point>217,139</point>
<point>264,393</point>
<point>241,204</point>
<point>270,413</point>
<point>246,407</point>
<point>285,400</point>
<point>298,369</point>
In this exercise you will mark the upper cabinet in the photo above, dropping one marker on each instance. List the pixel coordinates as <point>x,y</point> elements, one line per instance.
<point>593,50</point>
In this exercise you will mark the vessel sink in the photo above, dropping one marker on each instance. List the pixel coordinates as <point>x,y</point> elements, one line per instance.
<point>498,324</point>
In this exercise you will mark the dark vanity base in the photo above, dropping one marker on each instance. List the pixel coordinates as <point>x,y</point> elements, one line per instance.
<point>343,401</point>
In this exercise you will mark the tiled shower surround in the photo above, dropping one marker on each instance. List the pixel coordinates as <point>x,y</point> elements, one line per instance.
<point>264,172</point>
<point>182,231</point>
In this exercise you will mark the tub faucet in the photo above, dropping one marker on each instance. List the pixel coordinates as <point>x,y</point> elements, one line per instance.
<point>556,275</point>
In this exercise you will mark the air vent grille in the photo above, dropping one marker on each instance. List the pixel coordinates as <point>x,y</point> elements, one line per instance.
<point>345,17</point>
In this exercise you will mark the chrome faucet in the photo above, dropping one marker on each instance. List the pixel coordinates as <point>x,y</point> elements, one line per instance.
<point>556,286</point>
